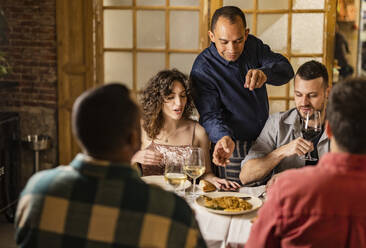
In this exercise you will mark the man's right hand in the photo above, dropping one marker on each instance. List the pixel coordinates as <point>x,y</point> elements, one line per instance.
<point>223,150</point>
<point>255,78</point>
<point>147,157</point>
<point>299,146</point>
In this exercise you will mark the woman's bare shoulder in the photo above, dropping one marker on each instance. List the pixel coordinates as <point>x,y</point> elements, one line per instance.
<point>199,128</point>
<point>199,133</point>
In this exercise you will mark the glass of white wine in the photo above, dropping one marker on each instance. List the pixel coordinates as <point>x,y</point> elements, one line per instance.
<point>174,173</point>
<point>194,166</point>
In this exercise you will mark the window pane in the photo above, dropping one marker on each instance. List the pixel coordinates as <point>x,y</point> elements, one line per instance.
<point>276,90</point>
<point>148,64</point>
<point>272,30</point>
<point>277,106</point>
<point>184,29</point>
<point>118,68</point>
<point>150,29</point>
<point>182,61</point>
<point>150,3</point>
<point>184,2</point>
<point>247,4</point>
<point>270,4</point>
<point>292,104</point>
<point>308,4</point>
<point>296,63</point>
<point>291,83</point>
<point>249,19</point>
<point>118,28</point>
<point>307,33</point>
<point>117,2</point>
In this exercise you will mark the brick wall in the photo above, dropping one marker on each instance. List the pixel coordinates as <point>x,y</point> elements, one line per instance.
<point>32,54</point>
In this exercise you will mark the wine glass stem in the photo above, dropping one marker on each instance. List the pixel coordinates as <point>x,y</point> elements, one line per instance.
<point>194,187</point>
<point>308,155</point>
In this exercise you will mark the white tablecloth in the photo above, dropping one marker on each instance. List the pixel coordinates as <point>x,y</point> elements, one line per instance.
<point>221,230</point>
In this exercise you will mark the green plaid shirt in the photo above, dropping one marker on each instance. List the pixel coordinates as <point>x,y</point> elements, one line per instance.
<point>100,204</point>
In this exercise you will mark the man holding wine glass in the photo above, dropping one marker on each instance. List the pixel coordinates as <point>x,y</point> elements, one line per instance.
<point>282,144</point>
<point>323,206</point>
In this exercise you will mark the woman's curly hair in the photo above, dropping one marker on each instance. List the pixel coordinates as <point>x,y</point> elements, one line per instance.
<point>158,88</point>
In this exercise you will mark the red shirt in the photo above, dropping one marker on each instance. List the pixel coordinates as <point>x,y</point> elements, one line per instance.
<point>321,206</point>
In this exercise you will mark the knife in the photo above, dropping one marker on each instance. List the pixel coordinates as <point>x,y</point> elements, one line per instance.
<point>228,190</point>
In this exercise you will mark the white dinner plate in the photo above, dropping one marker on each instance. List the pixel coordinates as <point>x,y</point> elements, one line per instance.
<point>160,181</point>
<point>255,201</point>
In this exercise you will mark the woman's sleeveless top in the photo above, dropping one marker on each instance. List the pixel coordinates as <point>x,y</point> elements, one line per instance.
<point>170,153</point>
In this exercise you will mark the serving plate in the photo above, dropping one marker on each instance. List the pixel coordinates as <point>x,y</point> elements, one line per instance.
<point>255,201</point>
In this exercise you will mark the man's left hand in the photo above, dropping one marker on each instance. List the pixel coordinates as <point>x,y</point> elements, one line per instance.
<point>255,79</point>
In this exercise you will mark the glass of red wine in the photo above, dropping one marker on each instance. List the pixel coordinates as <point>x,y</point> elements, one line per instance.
<point>311,127</point>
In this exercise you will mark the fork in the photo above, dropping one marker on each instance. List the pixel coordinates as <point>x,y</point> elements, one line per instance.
<point>228,190</point>
<point>263,195</point>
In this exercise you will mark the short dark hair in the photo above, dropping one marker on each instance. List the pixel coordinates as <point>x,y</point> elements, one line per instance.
<point>313,69</point>
<point>346,114</point>
<point>104,117</point>
<point>230,13</point>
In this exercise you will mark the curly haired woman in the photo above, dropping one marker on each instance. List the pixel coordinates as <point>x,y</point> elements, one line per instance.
<point>167,127</point>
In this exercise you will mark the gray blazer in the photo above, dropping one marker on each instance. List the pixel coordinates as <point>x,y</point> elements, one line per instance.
<point>279,130</point>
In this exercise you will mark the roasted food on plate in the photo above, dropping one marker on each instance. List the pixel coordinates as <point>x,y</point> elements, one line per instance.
<point>227,203</point>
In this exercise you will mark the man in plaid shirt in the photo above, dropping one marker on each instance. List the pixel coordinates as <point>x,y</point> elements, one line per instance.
<point>99,199</point>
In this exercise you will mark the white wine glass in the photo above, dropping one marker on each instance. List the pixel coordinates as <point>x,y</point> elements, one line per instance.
<point>194,166</point>
<point>174,173</point>
<point>311,127</point>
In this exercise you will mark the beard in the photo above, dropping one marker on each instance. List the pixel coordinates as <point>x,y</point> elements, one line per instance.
<point>321,109</point>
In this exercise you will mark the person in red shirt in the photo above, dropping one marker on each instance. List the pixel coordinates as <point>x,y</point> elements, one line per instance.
<point>323,206</point>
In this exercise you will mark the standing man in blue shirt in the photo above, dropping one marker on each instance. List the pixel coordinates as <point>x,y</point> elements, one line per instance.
<point>229,85</point>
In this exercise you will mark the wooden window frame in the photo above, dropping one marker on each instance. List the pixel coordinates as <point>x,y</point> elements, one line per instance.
<point>202,8</point>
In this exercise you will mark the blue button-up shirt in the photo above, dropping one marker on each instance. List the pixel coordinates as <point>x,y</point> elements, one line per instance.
<point>224,105</point>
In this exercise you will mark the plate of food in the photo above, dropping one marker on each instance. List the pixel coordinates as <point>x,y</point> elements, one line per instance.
<point>161,181</point>
<point>228,203</point>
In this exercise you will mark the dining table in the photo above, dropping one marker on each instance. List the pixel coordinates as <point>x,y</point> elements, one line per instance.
<point>218,230</point>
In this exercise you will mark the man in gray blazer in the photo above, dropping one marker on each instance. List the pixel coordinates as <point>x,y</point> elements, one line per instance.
<point>280,144</point>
